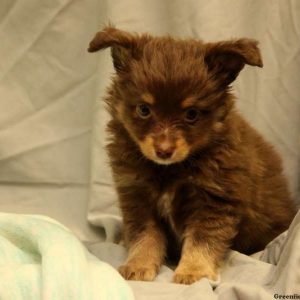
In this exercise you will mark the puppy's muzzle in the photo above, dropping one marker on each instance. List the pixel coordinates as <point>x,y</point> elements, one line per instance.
<point>164,153</point>
<point>164,149</point>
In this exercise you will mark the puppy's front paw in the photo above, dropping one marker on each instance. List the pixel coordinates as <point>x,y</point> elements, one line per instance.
<point>187,277</point>
<point>136,272</point>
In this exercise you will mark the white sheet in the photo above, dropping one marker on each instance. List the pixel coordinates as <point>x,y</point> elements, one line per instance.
<point>276,270</point>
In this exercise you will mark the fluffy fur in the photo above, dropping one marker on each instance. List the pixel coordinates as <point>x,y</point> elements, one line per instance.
<point>193,177</point>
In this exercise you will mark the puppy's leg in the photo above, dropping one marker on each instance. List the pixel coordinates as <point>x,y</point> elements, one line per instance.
<point>196,261</point>
<point>145,240</point>
<point>204,247</point>
<point>146,254</point>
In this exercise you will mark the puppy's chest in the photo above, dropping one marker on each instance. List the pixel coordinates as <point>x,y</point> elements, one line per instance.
<point>165,203</point>
<point>169,196</point>
<point>165,207</point>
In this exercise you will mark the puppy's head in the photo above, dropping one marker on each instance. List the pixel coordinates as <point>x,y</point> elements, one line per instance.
<point>171,95</point>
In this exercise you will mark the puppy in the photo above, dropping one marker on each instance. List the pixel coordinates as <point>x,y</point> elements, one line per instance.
<point>190,172</point>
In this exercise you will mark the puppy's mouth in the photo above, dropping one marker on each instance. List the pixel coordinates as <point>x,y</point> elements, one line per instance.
<point>164,152</point>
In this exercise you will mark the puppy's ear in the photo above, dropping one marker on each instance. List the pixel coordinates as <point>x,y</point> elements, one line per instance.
<point>226,59</point>
<point>123,46</point>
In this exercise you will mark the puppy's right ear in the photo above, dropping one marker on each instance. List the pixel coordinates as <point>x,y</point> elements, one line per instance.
<point>123,45</point>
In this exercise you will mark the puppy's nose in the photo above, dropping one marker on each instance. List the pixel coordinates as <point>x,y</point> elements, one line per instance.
<point>164,153</point>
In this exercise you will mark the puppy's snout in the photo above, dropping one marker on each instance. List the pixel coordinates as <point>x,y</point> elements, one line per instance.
<point>164,154</point>
<point>164,149</point>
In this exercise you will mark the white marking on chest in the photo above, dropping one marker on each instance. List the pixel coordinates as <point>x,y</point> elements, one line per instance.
<point>164,204</point>
<point>164,207</point>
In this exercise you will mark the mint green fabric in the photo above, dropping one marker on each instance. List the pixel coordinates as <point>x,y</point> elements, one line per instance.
<point>41,259</point>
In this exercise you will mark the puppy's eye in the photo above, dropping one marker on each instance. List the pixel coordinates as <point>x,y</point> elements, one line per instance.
<point>143,110</point>
<point>191,115</point>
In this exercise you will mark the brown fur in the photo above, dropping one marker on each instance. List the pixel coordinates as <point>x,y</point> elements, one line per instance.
<point>219,185</point>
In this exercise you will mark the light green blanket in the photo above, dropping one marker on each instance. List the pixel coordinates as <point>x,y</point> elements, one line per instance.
<point>41,259</point>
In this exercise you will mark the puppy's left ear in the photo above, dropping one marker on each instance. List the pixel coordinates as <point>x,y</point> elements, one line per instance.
<point>226,59</point>
<point>124,46</point>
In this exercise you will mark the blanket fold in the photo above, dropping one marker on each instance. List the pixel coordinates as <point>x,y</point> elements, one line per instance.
<point>41,259</point>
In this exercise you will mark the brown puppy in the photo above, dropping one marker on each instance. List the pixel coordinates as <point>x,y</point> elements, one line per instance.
<point>190,172</point>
